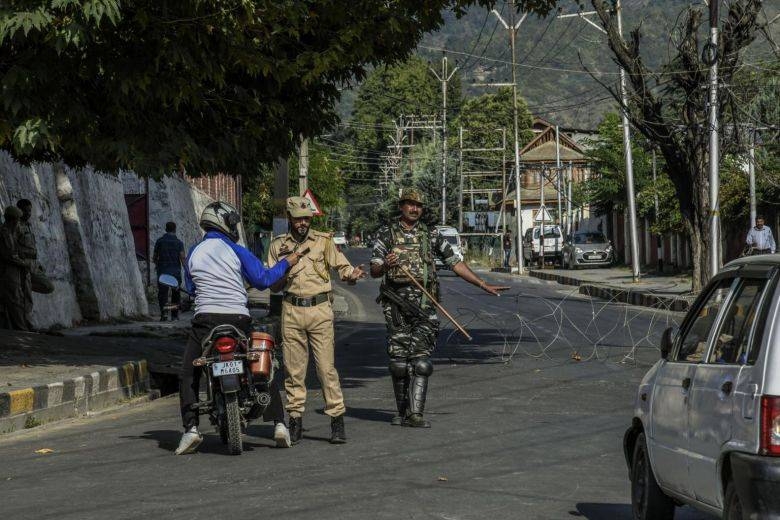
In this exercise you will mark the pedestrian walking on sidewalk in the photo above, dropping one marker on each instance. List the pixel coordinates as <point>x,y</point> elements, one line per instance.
<point>307,315</point>
<point>760,239</point>
<point>507,244</point>
<point>411,319</point>
<point>14,271</point>
<point>216,270</point>
<point>168,259</point>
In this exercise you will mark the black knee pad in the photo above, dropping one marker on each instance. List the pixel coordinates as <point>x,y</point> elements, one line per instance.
<point>397,367</point>
<point>422,366</point>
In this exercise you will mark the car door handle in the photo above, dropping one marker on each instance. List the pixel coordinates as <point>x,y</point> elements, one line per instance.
<point>727,387</point>
<point>686,383</point>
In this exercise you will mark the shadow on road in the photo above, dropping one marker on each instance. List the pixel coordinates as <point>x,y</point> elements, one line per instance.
<point>596,511</point>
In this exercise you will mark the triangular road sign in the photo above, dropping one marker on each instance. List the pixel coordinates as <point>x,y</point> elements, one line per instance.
<point>315,206</point>
<point>543,214</point>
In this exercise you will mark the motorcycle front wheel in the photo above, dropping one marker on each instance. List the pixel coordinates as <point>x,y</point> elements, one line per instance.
<point>233,423</point>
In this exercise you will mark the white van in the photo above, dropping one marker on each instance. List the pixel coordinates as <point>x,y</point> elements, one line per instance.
<point>452,236</point>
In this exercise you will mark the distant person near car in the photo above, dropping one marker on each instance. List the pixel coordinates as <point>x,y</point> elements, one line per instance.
<point>760,239</point>
<point>168,259</point>
<point>507,247</point>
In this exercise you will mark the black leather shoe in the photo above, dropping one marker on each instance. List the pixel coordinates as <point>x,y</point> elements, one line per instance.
<point>296,429</point>
<point>416,420</point>
<point>337,435</point>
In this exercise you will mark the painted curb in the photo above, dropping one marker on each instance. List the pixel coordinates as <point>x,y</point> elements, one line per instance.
<point>29,407</point>
<point>629,296</point>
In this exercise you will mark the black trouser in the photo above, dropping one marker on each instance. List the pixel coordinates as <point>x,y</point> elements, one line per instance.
<point>162,298</point>
<point>756,251</point>
<point>189,380</point>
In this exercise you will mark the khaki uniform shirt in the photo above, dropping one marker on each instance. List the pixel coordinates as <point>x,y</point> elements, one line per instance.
<point>311,275</point>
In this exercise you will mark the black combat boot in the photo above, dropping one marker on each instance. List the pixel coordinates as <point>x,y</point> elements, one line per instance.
<point>418,389</point>
<point>400,389</point>
<point>337,435</point>
<point>296,429</point>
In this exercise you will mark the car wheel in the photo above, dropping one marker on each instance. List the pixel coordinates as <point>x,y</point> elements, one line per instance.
<point>648,502</point>
<point>732,508</point>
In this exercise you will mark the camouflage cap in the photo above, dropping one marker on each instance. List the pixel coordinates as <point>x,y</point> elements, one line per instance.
<point>13,212</point>
<point>412,195</point>
<point>299,207</point>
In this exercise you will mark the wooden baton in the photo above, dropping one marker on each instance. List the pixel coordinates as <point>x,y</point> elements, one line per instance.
<point>433,300</point>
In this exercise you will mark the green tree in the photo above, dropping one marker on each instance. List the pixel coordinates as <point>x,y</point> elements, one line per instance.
<point>482,115</point>
<point>195,85</point>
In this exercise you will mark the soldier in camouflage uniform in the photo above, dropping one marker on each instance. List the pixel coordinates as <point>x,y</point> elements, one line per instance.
<point>412,323</point>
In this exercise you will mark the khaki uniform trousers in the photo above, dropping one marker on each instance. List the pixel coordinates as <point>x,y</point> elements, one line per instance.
<point>302,328</point>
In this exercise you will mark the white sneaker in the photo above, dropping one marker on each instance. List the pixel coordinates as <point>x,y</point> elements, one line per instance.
<point>189,441</point>
<point>282,436</point>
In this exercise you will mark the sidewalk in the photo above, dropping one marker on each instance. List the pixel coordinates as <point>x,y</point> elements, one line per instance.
<point>48,377</point>
<point>668,292</point>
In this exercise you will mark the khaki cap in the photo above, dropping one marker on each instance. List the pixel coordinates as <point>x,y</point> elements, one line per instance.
<point>412,195</point>
<point>299,207</point>
<point>13,212</point>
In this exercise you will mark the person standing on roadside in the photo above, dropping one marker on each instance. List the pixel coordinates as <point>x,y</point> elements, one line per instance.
<point>411,319</point>
<point>507,245</point>
<point>760,239</point>
<point>14,272</point>
<point>168,259</point>
<point>307,315</point>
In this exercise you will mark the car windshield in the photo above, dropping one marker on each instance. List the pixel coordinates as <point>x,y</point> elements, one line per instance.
<point>589,238</point>
<point>452,239</point>
<point>338,234</point>
<point>549,232</point>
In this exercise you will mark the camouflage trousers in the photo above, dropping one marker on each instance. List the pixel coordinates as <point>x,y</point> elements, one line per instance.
<point>409,335</point>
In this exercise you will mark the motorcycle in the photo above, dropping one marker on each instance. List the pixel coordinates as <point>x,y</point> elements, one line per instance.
<point>239,372</point>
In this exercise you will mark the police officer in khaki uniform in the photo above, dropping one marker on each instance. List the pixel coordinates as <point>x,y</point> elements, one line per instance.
<point>307,315</point>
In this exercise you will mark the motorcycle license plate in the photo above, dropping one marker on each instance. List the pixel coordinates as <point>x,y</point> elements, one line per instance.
<point>226,368</point>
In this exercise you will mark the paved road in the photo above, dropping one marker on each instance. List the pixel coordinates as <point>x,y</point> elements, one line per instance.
<point>522,429</point>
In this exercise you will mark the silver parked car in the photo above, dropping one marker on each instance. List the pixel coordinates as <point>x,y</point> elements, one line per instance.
<point>706,422</point>
<point>587,248</point>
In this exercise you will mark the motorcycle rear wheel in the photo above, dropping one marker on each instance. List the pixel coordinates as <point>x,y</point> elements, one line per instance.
<point>233,416</point>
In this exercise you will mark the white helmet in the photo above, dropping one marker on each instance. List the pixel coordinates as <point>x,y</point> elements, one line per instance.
<point>221,216</point>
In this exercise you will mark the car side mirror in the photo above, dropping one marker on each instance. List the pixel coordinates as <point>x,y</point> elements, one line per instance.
<point>667,339</point>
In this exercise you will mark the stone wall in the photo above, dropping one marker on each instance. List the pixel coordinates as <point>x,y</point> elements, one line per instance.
<point>84,242</point>
<point>37,184</point>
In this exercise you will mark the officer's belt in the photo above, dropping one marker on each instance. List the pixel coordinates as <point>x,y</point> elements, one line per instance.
<point>311,301</point>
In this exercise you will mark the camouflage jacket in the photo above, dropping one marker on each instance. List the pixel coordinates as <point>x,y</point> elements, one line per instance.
<point>416,249</point>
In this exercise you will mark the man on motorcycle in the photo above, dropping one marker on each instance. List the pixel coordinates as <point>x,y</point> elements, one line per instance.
<point>215,272</point>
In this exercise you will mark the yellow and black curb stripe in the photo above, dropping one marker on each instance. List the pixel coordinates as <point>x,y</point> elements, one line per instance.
<point>79,394</point>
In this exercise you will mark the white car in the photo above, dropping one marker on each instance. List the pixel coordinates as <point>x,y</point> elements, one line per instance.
<point>451,235</point>
<point>706,423</point>
<point>340,238</point>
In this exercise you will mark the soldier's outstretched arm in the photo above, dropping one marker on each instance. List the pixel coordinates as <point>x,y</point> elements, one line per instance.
<point>465,272</point>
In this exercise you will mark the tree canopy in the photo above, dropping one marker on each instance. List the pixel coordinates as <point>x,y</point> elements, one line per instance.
<point>195,85</point>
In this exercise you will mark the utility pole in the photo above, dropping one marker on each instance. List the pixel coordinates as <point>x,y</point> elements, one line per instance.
<point>512,28</point>
<point>558,170</point>
<point>460,193</point>
<point>542,212</point>
<point>445,77</point>
<point>303,167</point>
<point>752,177</point>
<point>569,215</point>
<point>629,159</point>
<point>655,188</point>
<point>630,194</point>
<point>714,153</point>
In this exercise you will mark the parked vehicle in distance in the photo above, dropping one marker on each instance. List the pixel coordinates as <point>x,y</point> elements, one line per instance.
<point>587,248</point>
<point>452,236</point>
<point>553,243</point>
<point>340,238</point>
<point>706,424</point>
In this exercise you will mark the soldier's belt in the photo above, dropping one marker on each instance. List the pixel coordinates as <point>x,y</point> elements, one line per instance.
<point>311,301</point>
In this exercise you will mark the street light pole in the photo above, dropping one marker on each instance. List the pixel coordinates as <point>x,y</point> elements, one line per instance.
<point>444,78</point>
<point>630,194</point>
<point>714,153</point>
<point>512,27</point>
